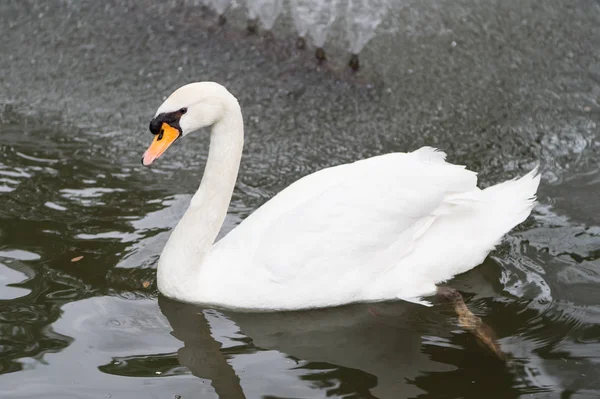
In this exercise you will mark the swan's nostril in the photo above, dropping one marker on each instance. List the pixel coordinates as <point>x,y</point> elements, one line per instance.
<point>160,135</point>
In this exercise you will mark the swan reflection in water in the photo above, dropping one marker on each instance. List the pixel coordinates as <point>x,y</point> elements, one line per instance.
<point>370,350</point>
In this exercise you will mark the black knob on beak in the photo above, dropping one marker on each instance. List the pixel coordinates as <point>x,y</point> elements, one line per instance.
<point>155,124</point>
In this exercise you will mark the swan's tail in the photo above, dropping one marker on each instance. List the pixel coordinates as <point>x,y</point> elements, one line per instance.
<point>512,201</point>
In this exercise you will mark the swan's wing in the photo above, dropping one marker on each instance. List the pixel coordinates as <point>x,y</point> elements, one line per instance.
<point>344,223</point>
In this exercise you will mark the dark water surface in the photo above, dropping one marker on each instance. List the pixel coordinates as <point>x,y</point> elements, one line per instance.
<point>499,85</point>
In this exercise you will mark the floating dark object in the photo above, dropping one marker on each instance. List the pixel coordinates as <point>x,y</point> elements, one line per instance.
<point>320,55</point>
<point>268,35</point>
<point>300,43</point>
<point>354,62</point>
<point>222,20</point>
<point>252,26</point>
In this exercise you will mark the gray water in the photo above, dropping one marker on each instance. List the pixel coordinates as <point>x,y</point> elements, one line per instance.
<point>499,85</point>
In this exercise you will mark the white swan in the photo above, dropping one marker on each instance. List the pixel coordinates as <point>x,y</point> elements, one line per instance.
<point>387,227</point>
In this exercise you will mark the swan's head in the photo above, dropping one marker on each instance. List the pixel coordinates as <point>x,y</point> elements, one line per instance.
<point>187,109</point>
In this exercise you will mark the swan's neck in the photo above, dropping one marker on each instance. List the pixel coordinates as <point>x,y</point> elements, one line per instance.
<point>192,239</point>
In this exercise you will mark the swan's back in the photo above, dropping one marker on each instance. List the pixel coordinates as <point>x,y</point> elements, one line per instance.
<point>386,227</point>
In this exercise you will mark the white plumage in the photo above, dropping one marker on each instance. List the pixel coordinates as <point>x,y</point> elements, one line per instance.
<point>383,228</point>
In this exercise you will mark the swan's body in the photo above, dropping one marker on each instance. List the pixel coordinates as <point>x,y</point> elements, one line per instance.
<point>387,227</point>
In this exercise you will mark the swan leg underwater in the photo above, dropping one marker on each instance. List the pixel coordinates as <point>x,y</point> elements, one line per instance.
<point>467,320</point>
<point>383,228</point>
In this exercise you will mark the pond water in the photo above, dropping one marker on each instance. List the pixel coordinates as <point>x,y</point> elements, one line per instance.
<point>498,85</point>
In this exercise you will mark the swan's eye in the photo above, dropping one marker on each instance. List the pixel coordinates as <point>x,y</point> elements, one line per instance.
<point>183,110</point>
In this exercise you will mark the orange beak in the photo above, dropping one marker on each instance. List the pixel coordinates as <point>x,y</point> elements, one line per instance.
<point>161,142</point>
